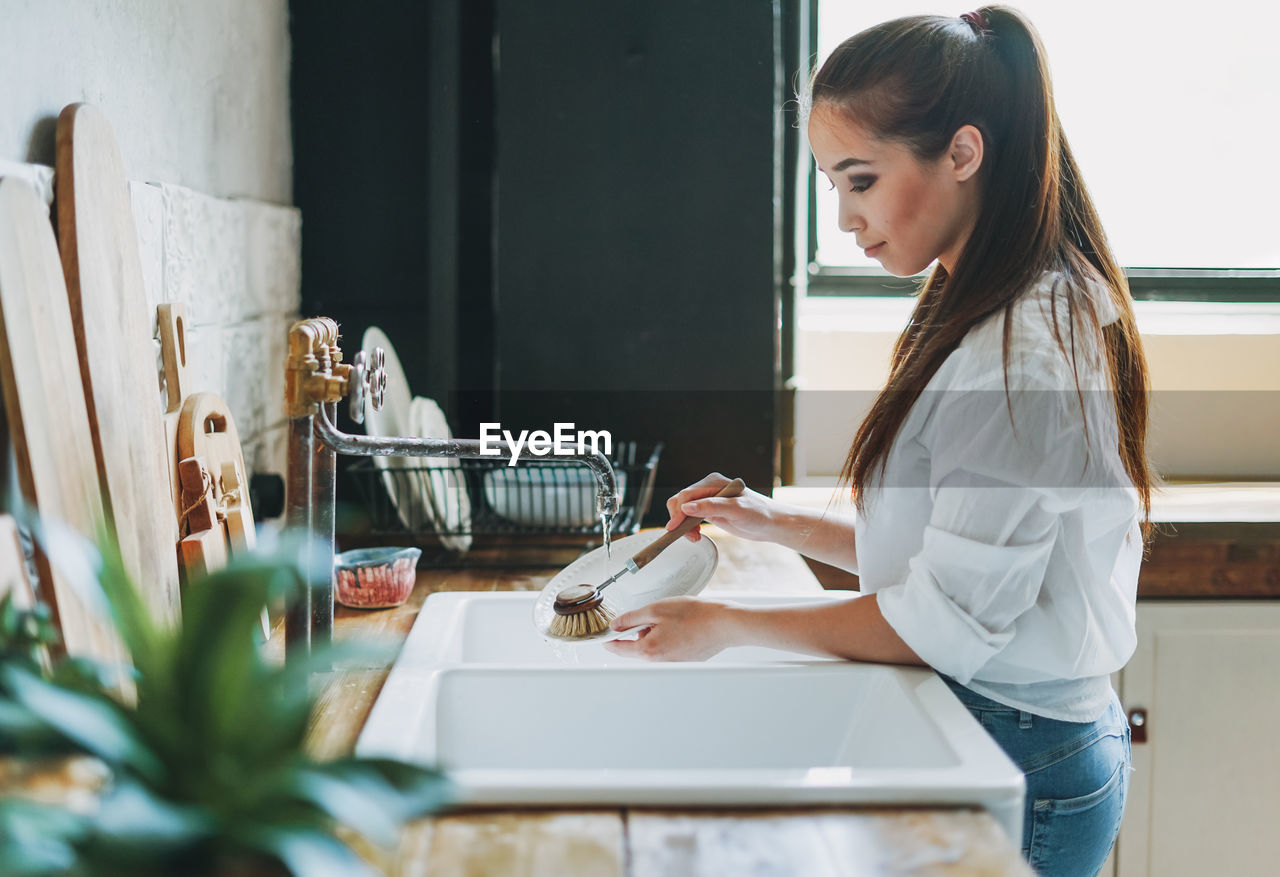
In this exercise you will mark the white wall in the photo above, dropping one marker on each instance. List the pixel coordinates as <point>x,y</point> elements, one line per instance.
<point>197,92</point>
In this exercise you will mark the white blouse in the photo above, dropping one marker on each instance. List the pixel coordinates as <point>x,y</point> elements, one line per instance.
<point>1004,546</point>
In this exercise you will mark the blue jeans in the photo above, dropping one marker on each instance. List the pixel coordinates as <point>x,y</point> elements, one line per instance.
<point>1077,779</point>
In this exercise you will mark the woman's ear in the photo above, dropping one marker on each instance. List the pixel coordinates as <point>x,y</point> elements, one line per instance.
<point>965,152</point>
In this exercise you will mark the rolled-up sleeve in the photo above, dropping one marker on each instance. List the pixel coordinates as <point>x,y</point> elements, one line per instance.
<point>999,482</point>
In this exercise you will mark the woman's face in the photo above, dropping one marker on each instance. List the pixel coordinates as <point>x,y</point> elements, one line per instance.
<point>904,213</point>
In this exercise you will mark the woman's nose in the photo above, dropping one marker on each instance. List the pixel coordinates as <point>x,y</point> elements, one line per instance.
<point>850,221</point>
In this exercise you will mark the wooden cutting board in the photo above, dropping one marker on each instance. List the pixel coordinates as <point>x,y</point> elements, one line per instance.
<point>45,405</point>
<point>113,331</point>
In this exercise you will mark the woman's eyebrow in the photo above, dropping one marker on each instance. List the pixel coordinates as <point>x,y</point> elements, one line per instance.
<point>846,163</point>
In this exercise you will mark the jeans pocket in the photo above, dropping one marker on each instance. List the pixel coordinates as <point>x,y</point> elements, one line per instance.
<point>1074,836</point>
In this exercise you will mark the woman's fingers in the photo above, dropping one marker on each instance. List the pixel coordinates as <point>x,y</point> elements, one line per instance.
<point>708,486</point>
<point>676,505</point>
<point>675,629</point>
<point>709,508</point>
<point>635,618</point>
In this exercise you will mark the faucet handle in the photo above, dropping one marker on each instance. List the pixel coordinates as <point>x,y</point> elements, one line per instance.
<point>367,383</point>
<point>378,379</point>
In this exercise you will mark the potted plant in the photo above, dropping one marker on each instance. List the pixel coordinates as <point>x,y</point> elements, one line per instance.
<point>206,771</point>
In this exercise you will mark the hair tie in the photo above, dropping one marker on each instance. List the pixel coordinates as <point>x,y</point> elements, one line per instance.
<point>978,21</point>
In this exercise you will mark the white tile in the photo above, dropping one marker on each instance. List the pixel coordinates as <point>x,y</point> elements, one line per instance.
<point>273,249</point>
<point>181,230</point>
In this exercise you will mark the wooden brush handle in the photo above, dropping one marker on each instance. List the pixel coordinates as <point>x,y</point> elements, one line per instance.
<point>656,547</point>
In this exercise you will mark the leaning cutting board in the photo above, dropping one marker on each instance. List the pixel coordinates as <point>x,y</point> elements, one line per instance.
<point>113,329</point>
<point>45,406</point>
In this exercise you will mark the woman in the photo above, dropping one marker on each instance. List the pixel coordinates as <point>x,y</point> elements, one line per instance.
<point>1000,475</point>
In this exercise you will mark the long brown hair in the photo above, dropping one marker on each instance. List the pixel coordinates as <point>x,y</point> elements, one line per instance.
<point>916,81</point>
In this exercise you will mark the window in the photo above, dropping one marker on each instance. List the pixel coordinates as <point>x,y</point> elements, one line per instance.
<point>1170,112</point>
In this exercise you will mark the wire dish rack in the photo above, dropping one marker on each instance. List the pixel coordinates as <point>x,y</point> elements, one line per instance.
<point>450,506</point>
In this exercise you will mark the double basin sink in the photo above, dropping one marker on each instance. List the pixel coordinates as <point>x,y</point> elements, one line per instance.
<point>517,719</point>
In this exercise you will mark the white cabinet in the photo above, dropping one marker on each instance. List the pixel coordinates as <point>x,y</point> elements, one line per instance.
<point>1204,797</point>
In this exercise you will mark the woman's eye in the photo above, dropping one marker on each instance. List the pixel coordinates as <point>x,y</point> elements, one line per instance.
<point>860,184</point>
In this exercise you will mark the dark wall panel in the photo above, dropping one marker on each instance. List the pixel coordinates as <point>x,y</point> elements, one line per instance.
<point>559,211</point>
<point>636,225</point>
<point>360,128</point>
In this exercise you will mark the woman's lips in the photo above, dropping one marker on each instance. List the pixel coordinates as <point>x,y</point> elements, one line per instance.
<point>872,251</point>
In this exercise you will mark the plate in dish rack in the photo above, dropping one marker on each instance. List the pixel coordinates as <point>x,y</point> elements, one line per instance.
<point>408,486</point>
<point>448,487</point>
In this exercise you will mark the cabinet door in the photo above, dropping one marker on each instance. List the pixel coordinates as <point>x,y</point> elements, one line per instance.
<point>1205,792</point>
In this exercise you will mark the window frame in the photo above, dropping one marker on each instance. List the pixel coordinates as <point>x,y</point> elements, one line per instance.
<point>1248,285</point>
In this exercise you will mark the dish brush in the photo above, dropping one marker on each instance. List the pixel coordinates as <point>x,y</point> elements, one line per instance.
<point>581,610</point>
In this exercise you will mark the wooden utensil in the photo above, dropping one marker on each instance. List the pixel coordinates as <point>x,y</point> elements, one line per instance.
<point>113,332</point>
<point>209,449</point>
<point>199,511</point>
<point>171,317</point>
<point>202,493</point>
<point>45,405</point>
<point>207,432</point>
<point>203,552</point>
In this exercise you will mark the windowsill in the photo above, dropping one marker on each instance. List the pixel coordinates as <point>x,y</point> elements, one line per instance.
<point>875,314</point>
<point>1214,369</point>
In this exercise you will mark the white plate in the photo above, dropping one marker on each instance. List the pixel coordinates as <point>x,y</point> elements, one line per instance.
<point>448,486</point>
<point>680,571</point>
<point>409,491</point>
<point>546,496</point>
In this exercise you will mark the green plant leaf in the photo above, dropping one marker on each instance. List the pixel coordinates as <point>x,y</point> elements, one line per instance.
<point>312,853</point>
<point>372,796</point>
<point>25,633</point>
<point>84,675</point>
<point>37,838</point>
<point>133,815</point>
<point>142,636</point>
<point>360,802</point>
<point>21,729</point>
<point>94,722</point>
<point>405,790</point>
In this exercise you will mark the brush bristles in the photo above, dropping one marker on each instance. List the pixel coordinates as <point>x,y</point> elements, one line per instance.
<point>582,624</point>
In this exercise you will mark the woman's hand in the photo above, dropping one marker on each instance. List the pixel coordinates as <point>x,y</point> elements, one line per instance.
<point>749,515</point>
<point>679,629</point>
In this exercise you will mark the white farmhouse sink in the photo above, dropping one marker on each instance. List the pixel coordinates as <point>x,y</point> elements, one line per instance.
<point>487,700</point>
<point>496,627</point>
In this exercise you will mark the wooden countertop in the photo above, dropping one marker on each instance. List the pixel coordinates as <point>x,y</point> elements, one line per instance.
<point>800,842</point>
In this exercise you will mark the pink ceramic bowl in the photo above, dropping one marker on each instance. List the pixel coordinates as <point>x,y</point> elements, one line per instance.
<point>375,578</point>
